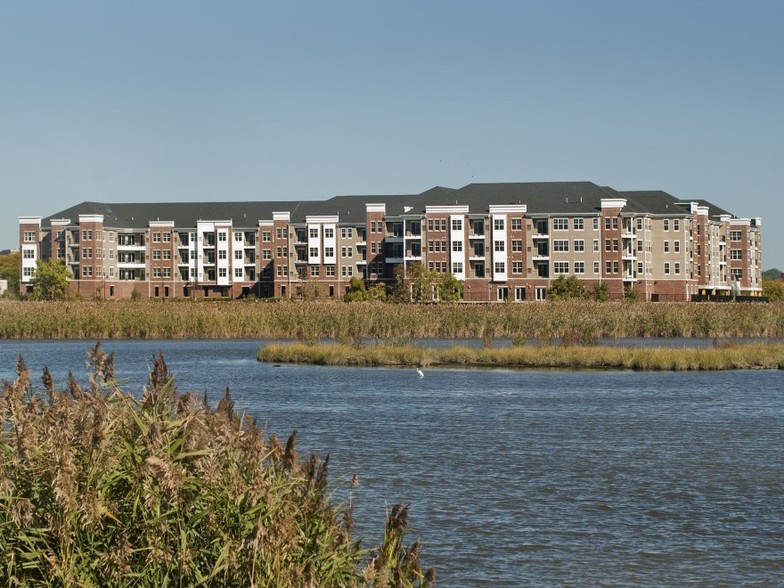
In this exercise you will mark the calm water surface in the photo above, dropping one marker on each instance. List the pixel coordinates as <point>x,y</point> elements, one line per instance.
<point>520,477</point>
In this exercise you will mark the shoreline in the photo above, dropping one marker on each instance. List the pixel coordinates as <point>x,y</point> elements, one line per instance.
<point>727,356</point>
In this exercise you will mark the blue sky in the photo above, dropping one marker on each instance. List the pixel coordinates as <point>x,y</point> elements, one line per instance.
<point>189,100</point>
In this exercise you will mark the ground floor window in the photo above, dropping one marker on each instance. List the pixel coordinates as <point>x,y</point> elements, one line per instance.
<point>519,293</point>
<point>541,293</point>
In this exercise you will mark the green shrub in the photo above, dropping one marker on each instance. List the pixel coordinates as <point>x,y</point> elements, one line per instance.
<point>98,488</point>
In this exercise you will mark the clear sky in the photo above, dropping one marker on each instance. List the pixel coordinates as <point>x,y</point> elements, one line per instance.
<point>203,100</point>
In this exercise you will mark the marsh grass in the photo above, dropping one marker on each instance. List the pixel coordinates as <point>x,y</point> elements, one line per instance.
<point>723,357</point>
<point>98,488</point>
<point>581,321</point>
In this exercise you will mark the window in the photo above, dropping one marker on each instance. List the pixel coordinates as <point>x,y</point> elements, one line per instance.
<point>457,267</point>
<point>278,232</point>
<point>517,224</point>
<point>347,252</point>
<point>222,254</point>
<point>666,223</point>
<point>500,267</point>
<point>561,245</point>
<point>615,244</point>
<point>541,293</point>
<point>639,268</point>
<point>27,272</point>
<point>237,236</point>
<point>561,267</point>
<point>266,253</point>
<point>329,271</point>
<point>498,224</point>
<point>517,245</point>
<point>156,272</point>
<point>607,245</point>
<point>329,233</point>
<point>677,268</point>
<point>517,267</point>
<point>313,233</point>
<point>607,223</point>
<point>666,268</point>
<point>238,272</point>
<point>639,244</point>
<point>579,267</point>
<point>639,224</point>
<point>736,273</point>
<point>608,267</point>
<point>596,267</point>
<point>329,252</point>
<point>666,246</point>
<point>156,254</point>
<point>596,223</point>
<point>615,224</point>
<point>457,224</point>
<point>28,254</point>
<point>578,224</point>
<point>676,246</point>
<point>560,224</point>
<point>579,245</point>
<point>237,254</point>
<point>736,254</point>
<point>734,235</point>
<point>596,244</point>
<point>266,236</point>
<point>156,237</point>
<point>457,246</point>
<point>499,246</point>
<point>519,293</point>
<point>615,267</point>
<point>29,237</point>
<point>676,224</point>
<point>347,271</point>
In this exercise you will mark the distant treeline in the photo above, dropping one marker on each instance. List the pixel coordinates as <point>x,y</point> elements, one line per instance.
<point>578,321</point>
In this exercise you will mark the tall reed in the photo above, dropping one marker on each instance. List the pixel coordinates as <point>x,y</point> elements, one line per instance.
<point>313,320</point>
<point>98,488</point>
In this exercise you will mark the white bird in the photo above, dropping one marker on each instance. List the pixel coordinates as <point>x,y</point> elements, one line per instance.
<point>419,373</point>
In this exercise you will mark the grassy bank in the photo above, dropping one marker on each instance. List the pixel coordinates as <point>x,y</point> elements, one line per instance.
<point>725,357</point>
<point>98,488</point>
<point>310,321</point>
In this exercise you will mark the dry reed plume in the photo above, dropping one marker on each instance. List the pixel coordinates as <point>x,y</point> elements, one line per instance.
<point>98,488</point>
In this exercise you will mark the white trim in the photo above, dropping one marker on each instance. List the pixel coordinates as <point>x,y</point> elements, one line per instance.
<point>613,203</point>
<point>446,209</point>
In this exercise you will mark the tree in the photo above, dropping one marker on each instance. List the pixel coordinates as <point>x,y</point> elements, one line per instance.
<point>50,281</point>
<point>9,270</point>
<point>567,289</point>
<point>422,285</point>
<point>356,291</point>
<point>773,289</point>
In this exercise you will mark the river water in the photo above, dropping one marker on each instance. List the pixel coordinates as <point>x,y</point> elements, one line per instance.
<point>519,478</point>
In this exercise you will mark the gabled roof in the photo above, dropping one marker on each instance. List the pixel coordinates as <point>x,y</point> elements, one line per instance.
<point>572,198</point>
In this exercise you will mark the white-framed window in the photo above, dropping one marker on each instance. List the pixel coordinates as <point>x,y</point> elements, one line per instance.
<point>313,251</point>
<point>676,224</point>
<point>579,245</point>
<point>238,254</point>
<point>313,232</point>
<point>156,272</point>
<point>639,224</point>
<point>579,267</point>
<point>27,272</point>
<point>677,268</point>
<point>29,236</point>
<point>596,245</point>
<point>156,237</point>
<point>560,244</point>
<point>498,224</point>
<point>541,293</point>
<point>560,267</point>
<point>517,245</point>
<point>457,267</point>
<point>666,246</point>
<point>736,254</point>
<point>736,273</point>
<point>238,236</point>
<point>517,224</point>
<point>519,293</point>
<point>500,267</point>
<point>156,254</point>
<point>517,267</point>
<point>676,246</point>
<point>578,223</point>
<point>329,233</point>
<point>222,254</point>
<point>457,224</point>
<point>499,246</point>
<point>666,268</point>
<point>560,224</point>
<point>734,235</point>
<point>222,273</point>
<point>266,253</point>
<point>329,252</point>
<point>457,246</point>
<point>314,271</point>
<point>266,236</point>
<point>28,254</point>
<point>666,224</point>
<point>238,272</point>
<point>596,267</point>
<point>596,223</point>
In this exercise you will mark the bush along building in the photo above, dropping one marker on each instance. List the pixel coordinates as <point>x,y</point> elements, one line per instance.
<point>503,241</point>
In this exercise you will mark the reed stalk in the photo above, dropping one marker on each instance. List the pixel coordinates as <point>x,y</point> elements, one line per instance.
<point>100,488</point>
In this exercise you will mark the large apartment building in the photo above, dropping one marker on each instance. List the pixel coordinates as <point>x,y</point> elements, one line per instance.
<point>505,241</point>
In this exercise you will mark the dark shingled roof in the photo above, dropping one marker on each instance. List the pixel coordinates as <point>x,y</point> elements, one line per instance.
<point>571,198</point>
